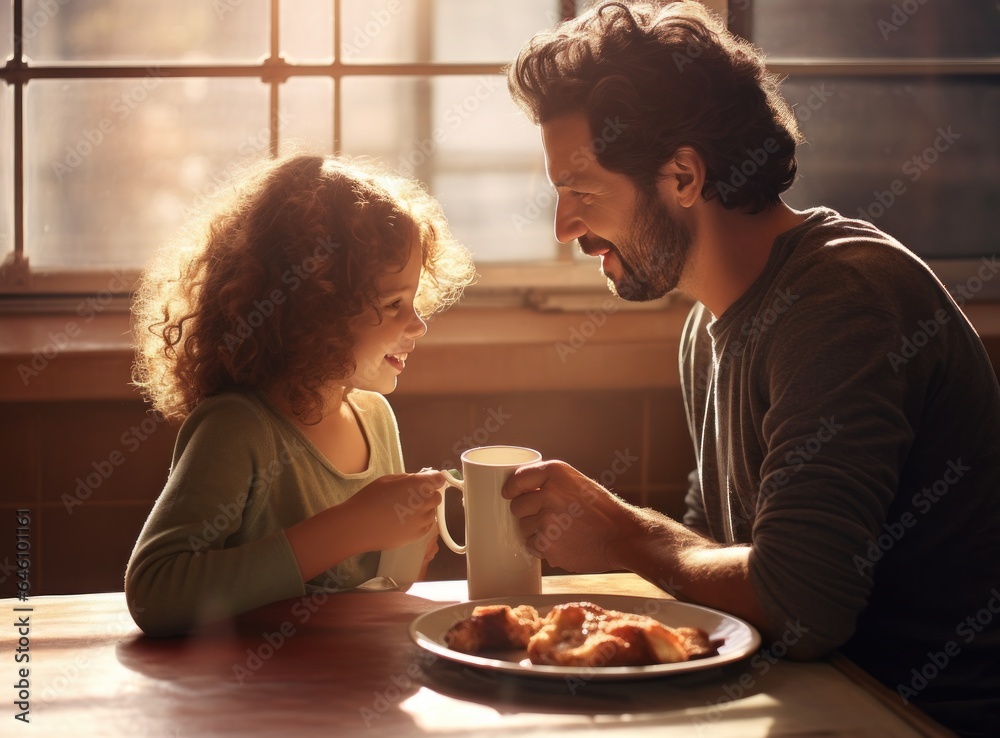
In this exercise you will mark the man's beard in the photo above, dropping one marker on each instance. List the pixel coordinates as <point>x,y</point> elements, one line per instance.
<point>652,253</point>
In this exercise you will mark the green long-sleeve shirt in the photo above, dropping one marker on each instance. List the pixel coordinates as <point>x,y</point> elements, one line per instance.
<point>214,544</point>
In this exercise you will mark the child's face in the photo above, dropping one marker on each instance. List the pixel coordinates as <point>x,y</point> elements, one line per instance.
<point>380,349</point>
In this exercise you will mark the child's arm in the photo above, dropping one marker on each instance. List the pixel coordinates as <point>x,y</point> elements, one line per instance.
<point>391,511</point>
<point>181,573</point>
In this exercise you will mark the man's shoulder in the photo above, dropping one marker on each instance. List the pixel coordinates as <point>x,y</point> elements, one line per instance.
<point>852,261</point>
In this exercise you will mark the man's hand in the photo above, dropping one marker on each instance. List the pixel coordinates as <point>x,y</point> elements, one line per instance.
<point>574,523</point>
<point>568,519</point>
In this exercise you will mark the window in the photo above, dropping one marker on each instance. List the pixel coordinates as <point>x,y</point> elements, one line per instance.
<point>900,105</point>
<point>118,118</point>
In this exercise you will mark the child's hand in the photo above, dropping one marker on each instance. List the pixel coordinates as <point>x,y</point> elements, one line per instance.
<point>398,508</point>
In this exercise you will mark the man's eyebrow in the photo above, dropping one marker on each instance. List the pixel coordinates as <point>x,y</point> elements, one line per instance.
<point>573,182</point>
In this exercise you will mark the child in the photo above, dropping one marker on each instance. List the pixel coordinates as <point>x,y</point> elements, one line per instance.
<point>274,334</point>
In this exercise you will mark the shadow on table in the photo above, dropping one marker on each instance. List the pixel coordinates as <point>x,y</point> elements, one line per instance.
<point>714,688</point>
<point>295,636</point>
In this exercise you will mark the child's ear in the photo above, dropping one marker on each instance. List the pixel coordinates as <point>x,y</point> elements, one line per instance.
<point>682,177</point>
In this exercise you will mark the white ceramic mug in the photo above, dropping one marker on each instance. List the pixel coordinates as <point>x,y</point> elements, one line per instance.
<point>497,562</point>
<point>402,564</point>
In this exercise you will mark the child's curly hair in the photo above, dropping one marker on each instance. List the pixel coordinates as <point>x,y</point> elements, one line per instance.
<point>265,288</point>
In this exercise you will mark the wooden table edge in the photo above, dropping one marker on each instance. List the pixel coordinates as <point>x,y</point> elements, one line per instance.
<point>911,714</point>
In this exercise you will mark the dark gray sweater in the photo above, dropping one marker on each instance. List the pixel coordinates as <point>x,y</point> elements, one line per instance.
<point>846,423</point>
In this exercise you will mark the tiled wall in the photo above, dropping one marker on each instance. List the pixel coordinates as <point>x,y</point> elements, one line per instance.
<point>90,471</point>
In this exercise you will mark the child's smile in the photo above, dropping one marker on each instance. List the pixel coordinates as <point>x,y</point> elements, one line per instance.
<point>382,347</point>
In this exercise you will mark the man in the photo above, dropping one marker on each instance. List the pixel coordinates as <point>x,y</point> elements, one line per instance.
<point>845,416</point>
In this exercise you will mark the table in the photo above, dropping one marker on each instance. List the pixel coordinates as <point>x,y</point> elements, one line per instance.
<point>344,665</point>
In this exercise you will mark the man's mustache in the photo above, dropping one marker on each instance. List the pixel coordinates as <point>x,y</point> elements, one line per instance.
<point>591,244</point>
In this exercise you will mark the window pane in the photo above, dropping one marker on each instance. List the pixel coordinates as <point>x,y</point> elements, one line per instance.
<point>307,30</point>
<point>463,137</point>
<point>492,215</point>
<point>379,116</point>
<point>486,159</point>
<point>6,170</point>
<point>108,184</point>
<point>458,30</point>
<point>306,115</point>
<point>876,28</point>
<point>476,31</point>
<point>127,31</point>
<point>911,156</point>
<point>6,32</point>
<point>379,30</point>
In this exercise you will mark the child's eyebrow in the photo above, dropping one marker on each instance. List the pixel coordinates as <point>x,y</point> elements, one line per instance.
<point>389,287</point>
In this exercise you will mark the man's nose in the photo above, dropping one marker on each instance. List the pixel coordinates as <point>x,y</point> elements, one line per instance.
<point>569,224</point>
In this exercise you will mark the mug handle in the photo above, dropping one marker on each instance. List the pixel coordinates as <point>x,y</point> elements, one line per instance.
<point>443,524</point>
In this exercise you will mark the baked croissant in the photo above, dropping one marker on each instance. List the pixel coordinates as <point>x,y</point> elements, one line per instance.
<point>579,634</point>
<point>494,628</point>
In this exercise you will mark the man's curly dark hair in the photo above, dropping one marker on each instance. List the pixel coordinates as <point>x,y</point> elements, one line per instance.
<point>665,75</point>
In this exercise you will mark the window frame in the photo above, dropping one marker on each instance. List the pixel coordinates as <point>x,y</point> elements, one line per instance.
<point>34,285</point>
<point>508,283</point>
<point>952,272</point>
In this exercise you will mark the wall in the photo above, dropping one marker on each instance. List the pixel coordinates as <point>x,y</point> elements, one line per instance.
<point>479,377</point>
<point>90,471</point>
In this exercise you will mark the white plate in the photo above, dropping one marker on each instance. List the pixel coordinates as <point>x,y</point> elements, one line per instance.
<point>741,638</point>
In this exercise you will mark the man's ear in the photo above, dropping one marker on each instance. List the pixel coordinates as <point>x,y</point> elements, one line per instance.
<point>682,177</point>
